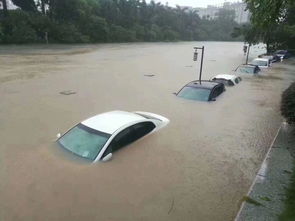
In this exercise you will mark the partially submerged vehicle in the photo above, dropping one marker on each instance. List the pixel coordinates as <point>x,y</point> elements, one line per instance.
<point>261,62</point>
<point>272,57</point>
<point>201,91</point>
<point>96,138</point>
<point>227,79</point>
<point>247,69</point>
<point>284,54</point>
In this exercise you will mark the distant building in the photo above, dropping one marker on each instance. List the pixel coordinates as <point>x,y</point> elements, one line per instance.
<point>10,5</point>
<point>242,15</point>
<point>209,12</point>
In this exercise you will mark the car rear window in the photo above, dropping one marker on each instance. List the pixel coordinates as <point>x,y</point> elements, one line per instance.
<point>192,93</point>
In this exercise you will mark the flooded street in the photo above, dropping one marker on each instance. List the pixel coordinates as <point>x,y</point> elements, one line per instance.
<point>197,168</point>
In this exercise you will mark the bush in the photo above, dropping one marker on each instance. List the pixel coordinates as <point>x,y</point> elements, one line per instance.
<point>95,27</point>
<point>288,104</point>
<point>120,34</point>
<point>67,33</point>
<point>289,212</point>
<point>18,28</point>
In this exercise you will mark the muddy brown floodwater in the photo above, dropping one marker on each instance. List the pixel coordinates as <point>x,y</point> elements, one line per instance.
<point>197,168</point>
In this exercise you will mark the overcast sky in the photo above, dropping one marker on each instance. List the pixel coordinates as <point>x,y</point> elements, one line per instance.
<point>193,3</point>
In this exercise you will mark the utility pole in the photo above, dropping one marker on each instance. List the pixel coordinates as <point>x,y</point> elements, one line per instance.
<point>43,7</point>
<point>196,58</point>
<point>46,37</point>
<point>248,54</point>
<point>5,10</point>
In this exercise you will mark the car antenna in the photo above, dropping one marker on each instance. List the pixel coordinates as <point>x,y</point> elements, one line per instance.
<point>196,58</point>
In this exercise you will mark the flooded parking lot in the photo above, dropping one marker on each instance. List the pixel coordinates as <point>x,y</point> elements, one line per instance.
<point>197,168</point>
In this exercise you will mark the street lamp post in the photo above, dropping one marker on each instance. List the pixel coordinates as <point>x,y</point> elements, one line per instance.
<point>248,54</point>
<point>196,58</point>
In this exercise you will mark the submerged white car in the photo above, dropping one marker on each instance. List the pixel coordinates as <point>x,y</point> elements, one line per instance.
<point>227,79</point>
<point>99,136</point>
<point>261,62</point>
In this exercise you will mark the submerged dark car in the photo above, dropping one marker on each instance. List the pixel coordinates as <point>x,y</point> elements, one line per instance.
<point>248,69</point>
<point>283,54</point>
<point>204,91</point>
<point>272,57</point>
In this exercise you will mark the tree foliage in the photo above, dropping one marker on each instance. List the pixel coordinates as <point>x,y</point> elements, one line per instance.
<point>70,21</point>
<point>266,13</point>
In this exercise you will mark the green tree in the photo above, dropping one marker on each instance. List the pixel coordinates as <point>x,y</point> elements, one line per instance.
<point>275,21</point>
<point>71,21</point>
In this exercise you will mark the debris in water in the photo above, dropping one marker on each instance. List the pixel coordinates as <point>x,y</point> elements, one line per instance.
<point>265,198</point>
<point>171,207</point>
<point>287,171</point>
<point>252,201</point>
<point>68,92</point>
<point>149,75</point>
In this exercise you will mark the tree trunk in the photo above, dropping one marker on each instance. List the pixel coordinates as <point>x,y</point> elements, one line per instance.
<point>267,47</point>
<point>5,10</point>
<point>51,8</point>
<point>43,7</point>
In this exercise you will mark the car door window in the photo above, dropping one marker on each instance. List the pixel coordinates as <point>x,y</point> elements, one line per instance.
<point>229,83</point>
<point>143,129</point>
<point>128,136</point>
<point>122,139</point>
<point>217,91</point>
<point>256,70</point>
<point>214,93</point>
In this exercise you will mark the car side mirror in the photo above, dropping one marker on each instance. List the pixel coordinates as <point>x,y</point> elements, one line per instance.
<point>175,93</point>
<point>58,135</point>
<point>213,99</point>
<point>107,157</point>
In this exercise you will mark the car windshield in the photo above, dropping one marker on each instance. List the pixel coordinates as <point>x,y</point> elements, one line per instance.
<point>192,93</point>
<point>280,52</point>
<point>84,141</point>
<point>259,63</point>
<point>246,70</point>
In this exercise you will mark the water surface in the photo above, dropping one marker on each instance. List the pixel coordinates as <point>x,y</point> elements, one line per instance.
<point>197,168</point>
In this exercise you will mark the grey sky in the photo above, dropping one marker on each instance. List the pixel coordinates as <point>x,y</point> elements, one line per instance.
<point>194,3</point>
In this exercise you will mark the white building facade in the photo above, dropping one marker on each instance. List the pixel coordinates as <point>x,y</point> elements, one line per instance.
<point>242,15</point>
<point>10,5</point>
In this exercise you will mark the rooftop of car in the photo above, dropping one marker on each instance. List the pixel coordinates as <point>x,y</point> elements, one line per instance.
<point>111,121</point>
<point>204,84</point>
<point>225,76</point>
<point>260,59</point>
<point>281,51</point>
<point>248,65</point>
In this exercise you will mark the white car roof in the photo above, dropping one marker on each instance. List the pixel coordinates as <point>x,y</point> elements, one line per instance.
<point>111,121</point>
<point>226,76</point>
<point>261,59</point>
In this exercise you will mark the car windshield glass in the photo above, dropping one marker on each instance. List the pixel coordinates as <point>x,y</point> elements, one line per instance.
<point>259,63</point>
<point>246,70</point>
<point>280,52</point>
<point>84,141</point>
<point>192,93</point>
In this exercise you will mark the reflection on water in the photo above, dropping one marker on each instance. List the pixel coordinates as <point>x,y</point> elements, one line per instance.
<point>197,168</point>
